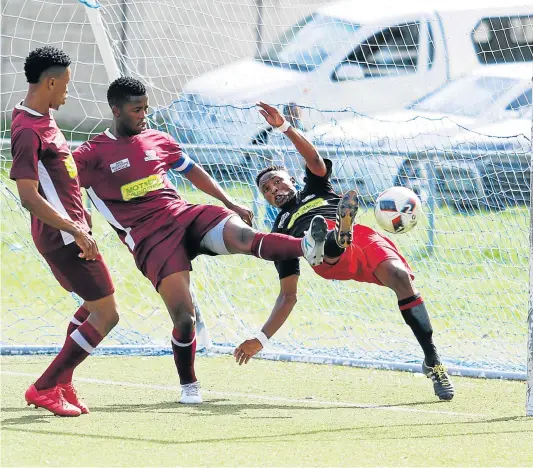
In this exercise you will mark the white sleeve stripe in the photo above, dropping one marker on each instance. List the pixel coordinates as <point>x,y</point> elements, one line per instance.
<point>184,165</point>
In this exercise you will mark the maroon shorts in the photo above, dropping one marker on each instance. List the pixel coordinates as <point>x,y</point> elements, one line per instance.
<point>88,279</point>
<point>172,247</point>
<point>359,261</point>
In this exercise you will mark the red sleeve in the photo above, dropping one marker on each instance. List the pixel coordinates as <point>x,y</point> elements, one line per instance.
<point>25,146</point>
<point>85,162</point>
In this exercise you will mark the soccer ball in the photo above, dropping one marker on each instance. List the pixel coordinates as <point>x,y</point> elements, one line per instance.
<point>398,209</point>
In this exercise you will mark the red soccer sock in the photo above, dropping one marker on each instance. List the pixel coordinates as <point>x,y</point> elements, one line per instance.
<point>77,347</point>
<point>276,247</point>
<point>79,317</point>
<point>184,350</point>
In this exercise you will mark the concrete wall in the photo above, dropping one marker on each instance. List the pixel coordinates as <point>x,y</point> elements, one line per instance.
<point>167,43</point>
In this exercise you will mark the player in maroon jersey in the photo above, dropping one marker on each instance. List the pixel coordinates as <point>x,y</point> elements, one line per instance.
<point>48,186</point>
<point>371,258</point>
<point>125,172</point>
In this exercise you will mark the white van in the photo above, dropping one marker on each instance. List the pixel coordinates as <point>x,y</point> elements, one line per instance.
<point>359,55</point>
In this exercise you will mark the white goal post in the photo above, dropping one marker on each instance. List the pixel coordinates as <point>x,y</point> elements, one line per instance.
<point>470,255</point>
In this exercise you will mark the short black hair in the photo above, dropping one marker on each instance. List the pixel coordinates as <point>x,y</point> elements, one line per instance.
<point>122,89</point>
<point>41,59</point>
<point>268,169</point>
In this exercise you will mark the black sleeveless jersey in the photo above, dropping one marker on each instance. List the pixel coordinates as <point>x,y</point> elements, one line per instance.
<point>316,198</point>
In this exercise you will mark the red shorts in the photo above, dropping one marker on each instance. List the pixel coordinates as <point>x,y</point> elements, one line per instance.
<point>360,260</point>
<point>171,248</point>
<point>88,279</point>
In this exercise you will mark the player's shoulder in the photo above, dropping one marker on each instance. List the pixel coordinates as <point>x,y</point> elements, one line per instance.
<point>23,122</point>
<point>93,145</point>
<point>23,129</point>
<point>157,136</point>
<point>329,166</point>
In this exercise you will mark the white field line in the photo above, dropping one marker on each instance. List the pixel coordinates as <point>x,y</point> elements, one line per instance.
<point>251,396</point>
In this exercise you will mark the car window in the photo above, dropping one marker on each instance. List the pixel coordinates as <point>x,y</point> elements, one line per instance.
<point>504,39</point>
<point>309,43</point>
<point>522,104</point>
<point>392,51</point>
<point>470,97</point>
<point>431,46</point>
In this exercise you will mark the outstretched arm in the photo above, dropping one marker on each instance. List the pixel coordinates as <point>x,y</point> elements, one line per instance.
<point>313,160</point>
<point>284,304</point>
<point>204,182</point>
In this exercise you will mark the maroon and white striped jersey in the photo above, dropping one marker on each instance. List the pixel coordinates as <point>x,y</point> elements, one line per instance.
<point>40,152</point>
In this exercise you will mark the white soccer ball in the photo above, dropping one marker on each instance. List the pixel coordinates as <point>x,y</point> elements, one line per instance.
<point>398,209</point>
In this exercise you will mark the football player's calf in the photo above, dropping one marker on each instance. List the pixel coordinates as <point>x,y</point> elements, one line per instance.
<point>415,314</point>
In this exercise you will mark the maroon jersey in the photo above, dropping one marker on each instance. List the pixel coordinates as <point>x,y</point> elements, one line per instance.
<point>126,179</point>
<point>40,152</point>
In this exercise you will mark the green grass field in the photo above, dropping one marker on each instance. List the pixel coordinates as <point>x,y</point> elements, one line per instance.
<point>263,414</point>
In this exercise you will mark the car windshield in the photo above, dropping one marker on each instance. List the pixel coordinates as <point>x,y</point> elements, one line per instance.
<point>469,97</point>
<point>309,43</point>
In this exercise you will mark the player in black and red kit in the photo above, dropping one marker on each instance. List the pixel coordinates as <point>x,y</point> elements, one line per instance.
<point>48,186</point>
<point>352,251</point>
<point>125,172</point>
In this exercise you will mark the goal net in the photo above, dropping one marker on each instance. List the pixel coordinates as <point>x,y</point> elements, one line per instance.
<point>439,102</point>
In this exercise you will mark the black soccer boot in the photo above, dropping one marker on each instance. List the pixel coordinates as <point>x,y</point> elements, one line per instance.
<point>346,211</point>
<point>441,381</point>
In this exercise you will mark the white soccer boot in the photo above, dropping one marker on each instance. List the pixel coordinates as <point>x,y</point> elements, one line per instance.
<point>314,240</point>
<point>190,394</point>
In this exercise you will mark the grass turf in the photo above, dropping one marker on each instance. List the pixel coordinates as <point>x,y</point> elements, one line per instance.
<point>263,414</point>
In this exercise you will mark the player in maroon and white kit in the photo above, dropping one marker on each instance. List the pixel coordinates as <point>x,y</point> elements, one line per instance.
<point>48,186</point>
<point>125,172</point>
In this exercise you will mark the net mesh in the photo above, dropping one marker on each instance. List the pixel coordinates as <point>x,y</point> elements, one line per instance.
<point>437,103</point>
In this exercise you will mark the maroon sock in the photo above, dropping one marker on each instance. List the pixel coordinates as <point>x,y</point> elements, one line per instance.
<point>184,350</point>
<point>79,317</point>
<point>276,247</point>
<point>77,347</point>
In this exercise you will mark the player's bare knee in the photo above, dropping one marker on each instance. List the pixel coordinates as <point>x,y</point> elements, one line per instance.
<point>399,279</point>
<point>113,319</point>
<point>238,236</point>
<point>184,322</point>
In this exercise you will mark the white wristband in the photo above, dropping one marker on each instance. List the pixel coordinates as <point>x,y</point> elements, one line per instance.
<point>262,338</point>
<point>283,127</point>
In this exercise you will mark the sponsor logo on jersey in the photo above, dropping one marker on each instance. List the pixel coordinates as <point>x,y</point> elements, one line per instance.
<point>151,155</point>
<point>70,165</point>
<point>309,197</point>
<point>119,165</point>
<point>282,220</point>
<point>306,209</point>
<point>141,187</point>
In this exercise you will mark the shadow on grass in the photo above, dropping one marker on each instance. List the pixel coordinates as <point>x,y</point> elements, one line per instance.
<point>278,436</point>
